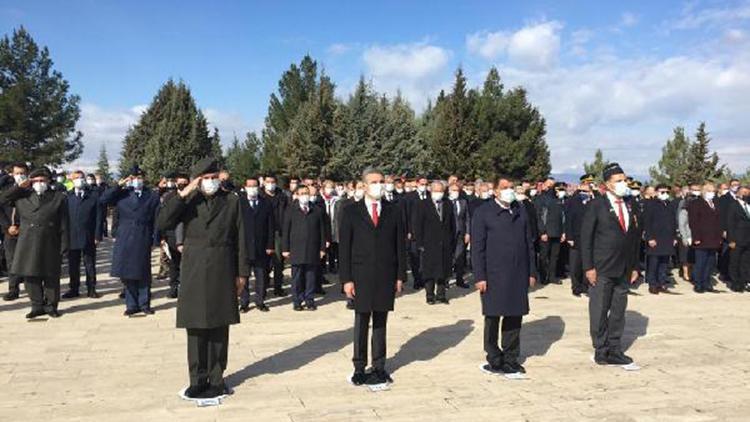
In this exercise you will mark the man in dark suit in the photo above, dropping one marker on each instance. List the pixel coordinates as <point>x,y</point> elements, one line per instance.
<point>136,206</point>
<point>503,255</point>
<point>724,203</point>
<point>259,231</point>
<point>610,236</point>
<point>411,200</point>
<point>434,230</point>
<point>705,226</point>
<point>304,245</point>
<point>463,230</point>
<point>372,254</point>
<point>169,238</point>
<point>85,229</point>
<point>42,241</point>
<point>279,201</point>
<point>738,236</point>
<point>575,209</point>
<point>550,218</point>
<point>660,233</point>
<point>10,221</point>
<point>215,270</point>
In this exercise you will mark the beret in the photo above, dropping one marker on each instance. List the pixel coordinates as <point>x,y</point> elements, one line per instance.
<point>170,175</point>
<point>635,184</point>
<point>588,177</point>
<point>610,170</point>
<point>136,171</point>
<point>204,166</point>
<point>40,172</point>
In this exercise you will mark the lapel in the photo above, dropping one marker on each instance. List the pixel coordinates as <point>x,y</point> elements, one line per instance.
<point>615,217</point>
<point>215,208</point>
<point>365,215</point>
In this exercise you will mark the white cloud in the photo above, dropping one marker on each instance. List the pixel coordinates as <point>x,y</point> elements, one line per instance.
<point>628,19</point>
<point>535,46</point>
<point>416,70</point>
<point>692,17</point>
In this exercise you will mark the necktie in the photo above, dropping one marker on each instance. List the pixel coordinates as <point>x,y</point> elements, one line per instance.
<point>375,217</point>
<point>80,195</point>
<point>439,210</point>
<point>621,215</point>
<point>253,203</point>
<point>304,209</point>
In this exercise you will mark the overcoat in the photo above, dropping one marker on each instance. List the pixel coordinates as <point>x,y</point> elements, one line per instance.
<point>435,237</point>
<point>259,228</point>
<point>304,235</point>
<point>659,224</point>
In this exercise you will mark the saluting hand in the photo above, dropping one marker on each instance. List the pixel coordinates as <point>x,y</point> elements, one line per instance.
<point>124,181</point>
<point>239,283</point>
<point>25,184</point>
<point>193,185</point>
<point>399,287</point>
<point>591,276</point>
<point>481,286</point>
<point>634,277</point>
<point>349,289</point>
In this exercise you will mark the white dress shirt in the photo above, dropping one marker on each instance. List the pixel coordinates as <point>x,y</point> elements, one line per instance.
<point>625,212</point>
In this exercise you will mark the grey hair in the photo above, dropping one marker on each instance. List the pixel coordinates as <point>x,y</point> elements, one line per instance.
<point>370,170</point>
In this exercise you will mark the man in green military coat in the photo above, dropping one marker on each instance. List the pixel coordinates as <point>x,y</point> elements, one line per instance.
<point>214,271</point>
<point>42,239</point>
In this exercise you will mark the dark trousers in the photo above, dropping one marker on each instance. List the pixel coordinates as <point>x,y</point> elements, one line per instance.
<point>44,292</point>
<point>14,281</point>
<point>459,260</point>
<point>739,266</point>
<point>549,251</point>
<point>207,351</point>
<point>608,299</point>
<point>137,294</point>
<point>260,287</point>
<point>429,288</point>
<point>722,262</point>
<point>304,278</point>
<point>89,264</point>
<point>578,282</point>
<point>174,267</point>
<point>414,264</point>
<point>656,270</point>
<point>361,332</point>
<point>705,261</point>
<point>511,339</point>
<point>276,266</point>
<point>332,256</point>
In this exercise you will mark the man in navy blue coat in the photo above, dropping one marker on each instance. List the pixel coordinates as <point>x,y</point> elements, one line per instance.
<point>260,227</point>
<point>85,230</point>
<point>502,250</point>
<point>136,207</point>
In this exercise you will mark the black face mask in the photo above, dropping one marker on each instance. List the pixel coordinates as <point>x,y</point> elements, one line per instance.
<point>181,186</point>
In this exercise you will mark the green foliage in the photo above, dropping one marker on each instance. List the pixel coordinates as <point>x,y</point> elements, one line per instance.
<point>703,165</point>
<point>37,115</point>
<point>242,159</point>
<point>672,167</point>
<point>102,165</point>
<point>596,167</point>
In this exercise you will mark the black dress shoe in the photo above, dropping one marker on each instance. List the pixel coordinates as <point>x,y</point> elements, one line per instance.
<point>358,378</point>
<point>129,312</point>
<point>508,368</point>
<point>493,369</point>
<point>10,296</point>
<point>577,294</point>
<point>298,307</point>
<point>320,292</point>
<point>517,367</point>
<point>279,292</point>
<point>311,307</point>
<point>195,390</point>
<point>122,295</point>
<point>35,313</point>
<point>618,358</point>
<point>245,309</point>
<point>147,311</point>
<point>698,290</point>
<point>70,294</point>
<point>93,294</point>
<point>263,307</point>
<point>172,293</point>
<point>601,358</point>
<point>349,304</point>
<point>378,377</point>
<point>711,290</point>
<point>443,300</point>
<point>212,391</point>
<point>430,301</point>
<point>653,290</point>
<point>54,313</point>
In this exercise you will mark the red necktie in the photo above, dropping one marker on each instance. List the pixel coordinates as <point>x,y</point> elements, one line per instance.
<point>621,215</point>
<point>375,213</point>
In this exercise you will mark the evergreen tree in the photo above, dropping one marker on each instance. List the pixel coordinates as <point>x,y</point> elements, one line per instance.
<point>37,114</point>
<point>216,150</point>
<point>102,165</point>
<point>596,167</point>
<point>672,167</point>
<point>702,165</point>
<point>242,159</point>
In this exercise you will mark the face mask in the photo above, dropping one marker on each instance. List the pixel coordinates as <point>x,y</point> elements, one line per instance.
<point>520,197</point>
<point>303,199</point>
<point>359,194</point>
<point>98,181</point>
<point>60,179</point>
<point>695,193</point>
<point>399,190</point>
<point>292,187</point>
<point>437,196</point>
<point>734,189</point>
<point>171,185</point>
<point>20,178</point>
<point>561,194</point>
<point>78,183</point>
<point>484,195</point>
<point>252,192</point>
<point>39,187</point>
<point>328,191</point>
<point>507,195</point>
<point>621,189</point>
<point>532,192</point>
<point>375,190</point>
<point>663,196</point>
<point>389,187</point>
<point>709,196</point>
<point>90,182</point>
<point>210,186</point>
<point>137,184</point>
<point>339,190</point>
<point>270,187</point>
<point>453,195</point>
<point>635,192</point>
<point>421,188</point>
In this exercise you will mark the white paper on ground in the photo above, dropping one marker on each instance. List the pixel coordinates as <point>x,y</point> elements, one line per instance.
<point>374,388</point>
<point>514,377</point>
<point>214,401</point>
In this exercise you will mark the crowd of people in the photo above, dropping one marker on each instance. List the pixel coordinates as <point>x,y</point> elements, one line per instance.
<point>213,233</point>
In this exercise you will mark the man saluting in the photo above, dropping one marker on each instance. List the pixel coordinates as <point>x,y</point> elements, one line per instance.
<point>372,257</point>
<point>215,267</point>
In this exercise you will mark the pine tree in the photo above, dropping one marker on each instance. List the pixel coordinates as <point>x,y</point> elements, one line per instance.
<point>702,165</point>
<point>102,165</point>
<point>37,114</point>
<point>596,167</point>
<point>672,167</point>
<point>242,159</point>
<point>216,149</point>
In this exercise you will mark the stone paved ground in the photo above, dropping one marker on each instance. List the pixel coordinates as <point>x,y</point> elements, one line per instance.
<point>93,364</point>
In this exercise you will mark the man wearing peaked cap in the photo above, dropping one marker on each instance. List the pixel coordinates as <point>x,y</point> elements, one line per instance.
<point>575,209</point>
<point>215,267</point>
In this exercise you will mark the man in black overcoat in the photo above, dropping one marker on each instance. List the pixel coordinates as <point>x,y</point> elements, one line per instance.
<point>170,241</point>
<point>259,235</point>
<point>504,268</point>
<point>372,257</point>
<point>738,237</point>
<point>610,239</point>
<point>411,200</point>
<point>434,230</point>
<point>10,222</point>
<point>279,201</point>
<point>660,233</point>
<point>215,267</point>
<point>575,208</point>
<point>42,239</point>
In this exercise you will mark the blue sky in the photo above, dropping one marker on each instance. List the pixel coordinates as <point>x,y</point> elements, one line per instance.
<point>612,75</point>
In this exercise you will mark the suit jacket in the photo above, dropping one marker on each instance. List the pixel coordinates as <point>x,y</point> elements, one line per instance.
<point>659,224</point>
<point>303,235</point>
<point>279,201</point>
<point>43,234</point>
<point>575,208</point>
<point>550,214</point>
<point>372,257</point>
<point>259,228</point>
<point>724,204</point>
<point>738,224</point>
<point>705,224</point>
<point>604,245</point>
<point>84,219</point>
<point>435,237</point>
<point>463,219</point>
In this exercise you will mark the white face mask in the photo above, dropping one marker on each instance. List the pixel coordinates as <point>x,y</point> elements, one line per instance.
<point>408,189</point>
<point>39,187</point>
<point>252,192</point>
<point>709,196</point>
<point>520,197</point>
<point>91,182</point>
<point>507,195</point>
<point>437,196</point>
<point>453,195</point>
<point>328,191</point>
<point>484,195</point>
<point>635,192</point>
<point>696,193</point>
<point>532,192</point>
<point>663,196</point>
<point>270,187</point>
<point>359,194</point>
<point>375,190</point>
<point>98,181</point>
<point>389,187</point>
<point>339,190</point>
<point>20,178</point>
<point>561,194</point>
<point>399,190</point>
<point>210,186</point>
<point>621,189</point>
<point>421,188</point>
<point>60,179</point>
<point>734,189</point>
<point>79,183</point>
<point>137,184</point>
<point>171,185</point>
<point>303,199</point>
